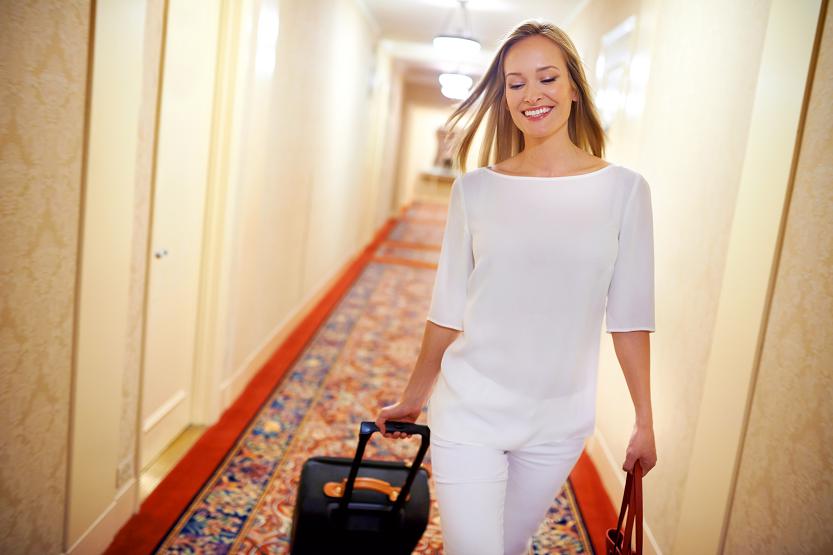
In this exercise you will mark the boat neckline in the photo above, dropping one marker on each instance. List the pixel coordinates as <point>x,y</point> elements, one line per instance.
<point>555,177</point>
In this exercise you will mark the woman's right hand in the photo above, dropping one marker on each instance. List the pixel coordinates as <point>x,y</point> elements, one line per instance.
<point>401,411</point>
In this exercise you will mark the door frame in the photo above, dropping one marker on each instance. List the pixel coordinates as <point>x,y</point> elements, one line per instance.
<point>216,260</point>
<point>215,256</point>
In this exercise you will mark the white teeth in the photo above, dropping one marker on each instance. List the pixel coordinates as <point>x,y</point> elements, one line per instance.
<point>537,112</point>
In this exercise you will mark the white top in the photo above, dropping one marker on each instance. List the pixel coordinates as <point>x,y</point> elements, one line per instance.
<point>527,269</point>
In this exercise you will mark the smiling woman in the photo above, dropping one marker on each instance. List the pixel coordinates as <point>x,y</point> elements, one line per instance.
<point>537,94</point>
<point>534,88</point>
<point>537,249</point>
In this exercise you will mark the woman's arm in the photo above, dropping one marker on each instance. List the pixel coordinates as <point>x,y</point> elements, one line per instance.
<point>633,349</point>
<point>435,341</point>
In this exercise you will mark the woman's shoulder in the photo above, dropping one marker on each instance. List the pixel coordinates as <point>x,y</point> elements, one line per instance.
<point>626,171</point>
<point>472,175</point>
<point>623,172</point>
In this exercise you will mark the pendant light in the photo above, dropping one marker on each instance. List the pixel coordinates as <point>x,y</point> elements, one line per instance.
<point>456,42</point>
<point>455,85</point>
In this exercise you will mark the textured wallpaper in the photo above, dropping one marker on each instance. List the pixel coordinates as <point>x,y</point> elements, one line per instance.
<point>154,21</point>
<point>43,81</point>
<point>784,493</point>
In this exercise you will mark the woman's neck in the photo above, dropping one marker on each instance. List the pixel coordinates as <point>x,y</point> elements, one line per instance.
<point>551,161</point>
<point>551,155</point>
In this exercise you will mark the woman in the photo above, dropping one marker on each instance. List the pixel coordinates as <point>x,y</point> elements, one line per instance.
<point>537,249</point>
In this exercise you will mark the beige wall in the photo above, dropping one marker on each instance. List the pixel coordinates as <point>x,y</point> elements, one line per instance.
<point>691,141</point>
<point>302,198</point>
<point>382,117</point>
<point>394,129</point>
<point>43,85</point>
<point>698,89</point>
<point>299,178</point>
<point>423,111</point>
<point>783,499</point>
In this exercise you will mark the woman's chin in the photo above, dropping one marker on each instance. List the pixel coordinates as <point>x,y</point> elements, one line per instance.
<point>538,133</point>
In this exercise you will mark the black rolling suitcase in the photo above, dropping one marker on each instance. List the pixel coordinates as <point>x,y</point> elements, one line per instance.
<point>384,508</point>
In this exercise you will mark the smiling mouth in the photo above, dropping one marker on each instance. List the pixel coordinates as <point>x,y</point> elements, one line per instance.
<point>537,113</point>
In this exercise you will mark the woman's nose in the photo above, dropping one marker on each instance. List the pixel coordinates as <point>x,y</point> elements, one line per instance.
<point>532,95</point>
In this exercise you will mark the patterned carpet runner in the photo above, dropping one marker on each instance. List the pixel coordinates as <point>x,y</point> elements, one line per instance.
<point>356,362</point>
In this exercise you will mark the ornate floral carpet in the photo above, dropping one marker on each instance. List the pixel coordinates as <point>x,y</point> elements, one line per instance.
<point>357,362</point>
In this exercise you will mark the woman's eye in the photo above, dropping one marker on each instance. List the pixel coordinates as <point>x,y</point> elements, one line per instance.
<point>518,86</point>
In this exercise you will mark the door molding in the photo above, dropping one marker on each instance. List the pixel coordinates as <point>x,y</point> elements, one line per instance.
<point>213,299</point>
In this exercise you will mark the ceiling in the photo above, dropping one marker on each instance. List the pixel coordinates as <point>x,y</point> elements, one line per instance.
<point>419,20</point>
<point>407,28</point>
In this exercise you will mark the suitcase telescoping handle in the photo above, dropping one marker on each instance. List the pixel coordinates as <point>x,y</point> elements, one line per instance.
<point>366,429</point>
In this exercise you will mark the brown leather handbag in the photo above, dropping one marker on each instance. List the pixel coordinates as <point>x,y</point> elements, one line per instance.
<point>616,542</point>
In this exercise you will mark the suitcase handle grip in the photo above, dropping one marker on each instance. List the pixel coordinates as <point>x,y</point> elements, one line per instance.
<point>395,426</point>
<point>335,489</point>
<point>366,429</point>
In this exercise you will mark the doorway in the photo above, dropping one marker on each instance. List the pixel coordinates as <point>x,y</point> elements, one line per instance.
<point>184,130</point>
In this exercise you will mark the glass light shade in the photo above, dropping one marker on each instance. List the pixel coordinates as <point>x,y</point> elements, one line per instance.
<point>452,46</point>
<point>455,80</point>
<point>456,94</point>
<point>455,85</point>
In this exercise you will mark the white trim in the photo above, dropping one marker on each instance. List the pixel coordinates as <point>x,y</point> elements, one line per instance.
<point>234,385</point>
<point>101,303</point>
<point>621,30</point>
<point>101,532</point>
<point>574,13</point>
<point>163,411</point>
<point>218,230</point>
<point>368,15</point>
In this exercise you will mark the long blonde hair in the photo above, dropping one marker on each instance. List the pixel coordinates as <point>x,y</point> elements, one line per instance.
<point>502,138</point>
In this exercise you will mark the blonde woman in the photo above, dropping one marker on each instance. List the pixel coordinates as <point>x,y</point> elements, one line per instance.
<point>537,249</point>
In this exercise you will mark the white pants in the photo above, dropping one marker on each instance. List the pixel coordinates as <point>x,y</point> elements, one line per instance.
<point>492,500</point>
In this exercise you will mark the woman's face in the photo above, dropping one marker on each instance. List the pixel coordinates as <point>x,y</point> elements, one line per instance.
<point>536,76</point>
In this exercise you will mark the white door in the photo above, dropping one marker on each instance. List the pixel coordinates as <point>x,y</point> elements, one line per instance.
<point>177,223</point>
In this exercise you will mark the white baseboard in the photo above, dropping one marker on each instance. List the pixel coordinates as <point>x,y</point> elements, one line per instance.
<point>232,387</point>
<point>613,478</point>
<point>100,534</point>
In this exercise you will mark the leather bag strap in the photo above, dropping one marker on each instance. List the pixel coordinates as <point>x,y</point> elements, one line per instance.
<point>638,501</point>
<point>632,506</point>
<point>634,512</point>
<point>626,540</point>
<point>626,498</point>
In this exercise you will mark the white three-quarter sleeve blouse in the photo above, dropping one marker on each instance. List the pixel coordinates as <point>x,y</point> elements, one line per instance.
<point>528,268</point>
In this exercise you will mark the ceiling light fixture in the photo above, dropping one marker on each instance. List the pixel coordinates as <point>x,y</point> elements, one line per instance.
<point>455,85</point>
<point>457,42</point>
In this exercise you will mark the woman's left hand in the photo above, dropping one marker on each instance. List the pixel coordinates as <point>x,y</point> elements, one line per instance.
<point>642,448</point>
